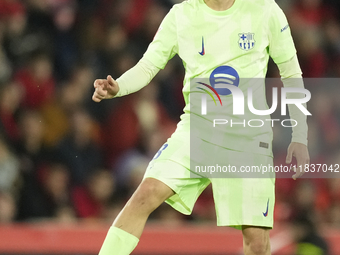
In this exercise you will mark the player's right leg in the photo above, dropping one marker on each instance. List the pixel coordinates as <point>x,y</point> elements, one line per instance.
<point>127,228</point>
<point>148,196</point>
<point>167,178</point>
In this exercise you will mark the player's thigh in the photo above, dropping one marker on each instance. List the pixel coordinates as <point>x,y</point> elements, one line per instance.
<point>172,161</point>
<point>171,165</point>
<point>151,193</point>
<point>247,200</point>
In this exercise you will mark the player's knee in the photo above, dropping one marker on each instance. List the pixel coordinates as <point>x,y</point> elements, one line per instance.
<point>259,247</point>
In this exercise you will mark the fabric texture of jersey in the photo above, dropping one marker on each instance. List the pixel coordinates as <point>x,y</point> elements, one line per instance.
<point>241,39</point>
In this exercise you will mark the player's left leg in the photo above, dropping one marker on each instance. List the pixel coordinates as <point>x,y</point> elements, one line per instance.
<point>247,202</point>
<point>256,240</point>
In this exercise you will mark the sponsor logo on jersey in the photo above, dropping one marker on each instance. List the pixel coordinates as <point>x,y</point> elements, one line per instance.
<point>221,79</point>
<point>202,53</point>
<point>246,41</point>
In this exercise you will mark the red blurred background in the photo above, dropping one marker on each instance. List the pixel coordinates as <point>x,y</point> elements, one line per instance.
<point>65,160</point>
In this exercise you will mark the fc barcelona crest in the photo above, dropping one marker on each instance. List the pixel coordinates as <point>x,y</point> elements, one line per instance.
<point>246,41</point>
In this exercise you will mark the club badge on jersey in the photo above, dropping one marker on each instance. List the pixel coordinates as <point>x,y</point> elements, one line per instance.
<point>246,41</point>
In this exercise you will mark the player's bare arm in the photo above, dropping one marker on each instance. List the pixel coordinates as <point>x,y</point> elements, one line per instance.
<point>105,89</point>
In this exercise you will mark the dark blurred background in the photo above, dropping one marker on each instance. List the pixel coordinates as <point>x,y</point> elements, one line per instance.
<point>65,158</point>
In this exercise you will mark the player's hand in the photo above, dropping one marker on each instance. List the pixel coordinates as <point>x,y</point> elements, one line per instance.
<point>300,152</point>
<point>105,89</point>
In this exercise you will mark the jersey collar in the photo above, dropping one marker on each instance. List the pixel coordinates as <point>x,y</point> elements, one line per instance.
<point>220,13</point>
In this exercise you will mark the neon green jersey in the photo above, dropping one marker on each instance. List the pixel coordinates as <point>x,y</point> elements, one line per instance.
<point>232,44</point>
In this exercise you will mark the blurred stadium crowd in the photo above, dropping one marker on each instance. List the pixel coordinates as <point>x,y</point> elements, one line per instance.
<point>64,157</point>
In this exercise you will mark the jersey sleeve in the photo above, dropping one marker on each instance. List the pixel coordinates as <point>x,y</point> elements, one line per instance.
<point>136,78</point>
<point>292,78</point>
<point>281,45</point>
<point>164,45</point>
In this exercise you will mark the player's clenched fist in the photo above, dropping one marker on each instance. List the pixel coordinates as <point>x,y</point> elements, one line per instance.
<point>105,89</point>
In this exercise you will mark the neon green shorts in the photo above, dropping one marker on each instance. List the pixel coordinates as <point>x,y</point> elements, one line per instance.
<point>238,201</point>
